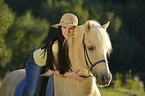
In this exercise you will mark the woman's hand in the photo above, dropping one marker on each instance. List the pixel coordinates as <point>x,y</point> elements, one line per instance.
<point>75,75</point>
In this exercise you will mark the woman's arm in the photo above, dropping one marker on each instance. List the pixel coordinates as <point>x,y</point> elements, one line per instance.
<point>73,74</point>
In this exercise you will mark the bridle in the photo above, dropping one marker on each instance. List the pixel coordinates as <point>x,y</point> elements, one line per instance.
<point>87,59</point>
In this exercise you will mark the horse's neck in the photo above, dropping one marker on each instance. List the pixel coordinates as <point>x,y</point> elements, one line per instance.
<point>76,54</point>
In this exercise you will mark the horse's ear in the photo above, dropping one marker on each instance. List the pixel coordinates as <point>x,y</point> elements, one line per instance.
<point>105,26</point>
<point>88,26</point>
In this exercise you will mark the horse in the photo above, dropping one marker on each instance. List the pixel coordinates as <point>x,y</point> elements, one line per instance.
<point>88,50</point>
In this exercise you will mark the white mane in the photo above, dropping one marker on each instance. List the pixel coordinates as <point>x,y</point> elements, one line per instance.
<point>98,35</point>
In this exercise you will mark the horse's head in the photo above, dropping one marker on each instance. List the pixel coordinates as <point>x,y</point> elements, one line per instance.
<point>92,49</point>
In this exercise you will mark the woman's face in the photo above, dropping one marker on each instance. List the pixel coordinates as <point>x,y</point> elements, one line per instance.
<point>67,31</point>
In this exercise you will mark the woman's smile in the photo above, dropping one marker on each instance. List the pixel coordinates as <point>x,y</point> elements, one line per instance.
<point>67,31</point>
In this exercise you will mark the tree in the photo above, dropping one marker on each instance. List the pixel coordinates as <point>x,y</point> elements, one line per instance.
<point>54,9</point>
<point>24,37</point>
<point>6,20</point>
<point>21,6</point>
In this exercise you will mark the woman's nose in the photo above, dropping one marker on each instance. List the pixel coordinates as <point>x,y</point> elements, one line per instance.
<point>68,30</point>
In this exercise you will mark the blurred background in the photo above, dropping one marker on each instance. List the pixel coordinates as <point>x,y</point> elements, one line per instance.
<point>25,27</point>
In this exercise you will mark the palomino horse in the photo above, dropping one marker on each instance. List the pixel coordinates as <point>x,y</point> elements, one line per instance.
<point>88,50</point>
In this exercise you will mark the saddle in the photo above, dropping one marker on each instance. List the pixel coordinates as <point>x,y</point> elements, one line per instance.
<point>41,86</point>
<point>45,87</point>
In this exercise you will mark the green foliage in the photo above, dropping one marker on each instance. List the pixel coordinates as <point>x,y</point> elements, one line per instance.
<point>58,8</point>
<point>5,56</point>
<point>111,92</point>
<point>134,84</point>
<point>0,82</point>
<point>21,6</point>
<point>6,20</point>
<point>120,92</point>
<point>128,82</point>
<point>118,82</point>
<point>26,35</point>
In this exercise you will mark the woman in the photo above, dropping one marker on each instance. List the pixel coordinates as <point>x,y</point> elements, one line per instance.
<point>53,55</point>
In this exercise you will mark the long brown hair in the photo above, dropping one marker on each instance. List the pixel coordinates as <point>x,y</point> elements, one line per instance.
<point>63,64</point>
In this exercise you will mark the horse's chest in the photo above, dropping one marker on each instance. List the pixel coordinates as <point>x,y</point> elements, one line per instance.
<point>70,87</point>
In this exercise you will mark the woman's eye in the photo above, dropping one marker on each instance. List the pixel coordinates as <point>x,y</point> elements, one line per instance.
<point>64,27</point>
<point>91,48</point>
<point>72,28</point>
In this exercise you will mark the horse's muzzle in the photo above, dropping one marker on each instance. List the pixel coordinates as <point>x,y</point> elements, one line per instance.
<point>104,80</point>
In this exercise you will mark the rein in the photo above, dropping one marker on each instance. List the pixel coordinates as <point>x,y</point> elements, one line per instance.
<point>88,59</point>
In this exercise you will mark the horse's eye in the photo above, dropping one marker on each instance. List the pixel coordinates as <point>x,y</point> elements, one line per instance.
<point>90,48</point>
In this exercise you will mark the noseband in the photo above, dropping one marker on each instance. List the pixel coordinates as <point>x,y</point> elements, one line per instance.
<point>87,57</point>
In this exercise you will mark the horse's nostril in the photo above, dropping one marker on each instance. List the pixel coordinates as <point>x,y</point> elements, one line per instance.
<point>104,79</point>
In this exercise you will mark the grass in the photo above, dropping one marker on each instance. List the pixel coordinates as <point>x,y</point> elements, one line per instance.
<point>109,92</point>
<point>120,92</point>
